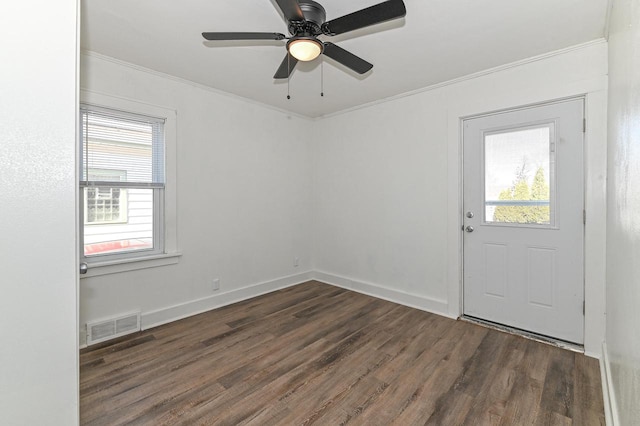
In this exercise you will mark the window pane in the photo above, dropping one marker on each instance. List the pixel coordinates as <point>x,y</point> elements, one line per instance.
<point>518,173</point>
<point>118,220</point>
<point>129,146</point>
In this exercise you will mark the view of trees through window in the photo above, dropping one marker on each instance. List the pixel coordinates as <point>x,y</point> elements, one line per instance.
<point>524,202</point>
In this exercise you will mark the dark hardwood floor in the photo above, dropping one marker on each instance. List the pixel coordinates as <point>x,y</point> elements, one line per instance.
<point>317,354</point>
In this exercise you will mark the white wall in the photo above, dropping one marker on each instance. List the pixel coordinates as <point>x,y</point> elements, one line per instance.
<point>380,199</point>
<point>370,200</point>
<point>623,224</point>
<point>387,183</point>
<point>38,272</point>
<point>244,200</point>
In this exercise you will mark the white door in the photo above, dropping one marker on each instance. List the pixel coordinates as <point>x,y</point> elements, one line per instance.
<point>523,219</point>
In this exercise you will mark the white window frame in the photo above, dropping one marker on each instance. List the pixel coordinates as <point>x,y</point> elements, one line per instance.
<point>166,234</point>
<point>155,187</point>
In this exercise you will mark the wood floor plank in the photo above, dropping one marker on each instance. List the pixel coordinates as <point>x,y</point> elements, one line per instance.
<point>214,333</point>
<point>522,405</point>
<point>322,393</point>
<point>308,373</point>
<point>280,364</point>
<point>443,367</point>
<point>557,394</point>
<point>328,390</point>
<point>587,393</point>
<point>314,354</point>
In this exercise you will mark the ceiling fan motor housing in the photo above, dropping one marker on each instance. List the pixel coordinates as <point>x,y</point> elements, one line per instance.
<point>314,15</point>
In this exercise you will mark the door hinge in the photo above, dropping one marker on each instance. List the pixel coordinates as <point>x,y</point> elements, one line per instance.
<point>584,125</point>
<point>583,307</point>
<point>584,217</point>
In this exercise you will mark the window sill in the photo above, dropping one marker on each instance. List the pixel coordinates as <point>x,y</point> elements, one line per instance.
<point>125,265</point>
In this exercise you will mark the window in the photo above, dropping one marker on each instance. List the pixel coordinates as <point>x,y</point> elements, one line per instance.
<point>519,176</point>
<point>122,183</point>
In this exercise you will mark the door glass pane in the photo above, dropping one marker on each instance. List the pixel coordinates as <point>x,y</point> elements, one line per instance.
<point>518,176</point>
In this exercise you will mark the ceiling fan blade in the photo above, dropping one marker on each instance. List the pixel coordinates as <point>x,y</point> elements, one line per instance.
<point>376,14</point>
<point>291,10</point>
<point>286,67</point>
<point>221,36</point>
<point>347,58</point>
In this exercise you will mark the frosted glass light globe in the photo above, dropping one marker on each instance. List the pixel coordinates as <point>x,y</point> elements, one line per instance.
<point>304,49</point>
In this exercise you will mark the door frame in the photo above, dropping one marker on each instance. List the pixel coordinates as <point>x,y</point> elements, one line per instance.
<point>594,93</point>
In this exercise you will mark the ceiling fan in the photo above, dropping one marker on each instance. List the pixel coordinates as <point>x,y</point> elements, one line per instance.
<point>306,19</point>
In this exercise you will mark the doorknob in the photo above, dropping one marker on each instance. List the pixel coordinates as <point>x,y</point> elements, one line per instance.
<point>469,229</point>
<point>84,268</point>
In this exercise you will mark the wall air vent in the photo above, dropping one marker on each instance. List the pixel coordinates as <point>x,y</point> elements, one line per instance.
<point>99,331</point>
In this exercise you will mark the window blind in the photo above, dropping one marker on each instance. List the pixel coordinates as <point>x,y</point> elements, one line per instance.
<point>128,146</point>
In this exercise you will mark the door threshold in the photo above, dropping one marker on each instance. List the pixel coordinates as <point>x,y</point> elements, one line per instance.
<point>526,334</point>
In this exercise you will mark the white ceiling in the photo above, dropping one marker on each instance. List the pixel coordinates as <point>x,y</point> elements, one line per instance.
<point>438,40</point>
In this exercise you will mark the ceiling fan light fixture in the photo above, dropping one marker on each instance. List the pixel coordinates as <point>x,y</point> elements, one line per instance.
<point>304,49</point>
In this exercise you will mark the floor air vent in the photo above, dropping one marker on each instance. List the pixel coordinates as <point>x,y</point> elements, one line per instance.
<point>99,331</point>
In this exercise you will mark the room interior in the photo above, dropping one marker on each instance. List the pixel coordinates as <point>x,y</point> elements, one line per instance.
<point>359,188</point>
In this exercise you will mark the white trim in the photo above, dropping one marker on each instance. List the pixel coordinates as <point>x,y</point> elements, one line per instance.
<point>608,395</point>
<point>180,311</point>
<point>80,331</point>
<point>607,20</point>
<point>595,236</point>
<point>116,266</point>
<point>472,76</point>
<point>435,306</point>
<point>107,100</point>
<point>90,53</point>
<point>194,307</point>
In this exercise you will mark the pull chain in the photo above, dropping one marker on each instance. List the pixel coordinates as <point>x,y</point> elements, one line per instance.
<point>288,75</point>
<point>321,77</point>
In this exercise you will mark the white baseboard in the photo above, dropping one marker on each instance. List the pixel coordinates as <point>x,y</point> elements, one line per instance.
<point>608,393</point>
<point>179,311</point>
<point>435,306</point>
<point>194,307</point>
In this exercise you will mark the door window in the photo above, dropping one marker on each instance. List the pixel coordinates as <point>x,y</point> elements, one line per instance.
<point>519,176</point>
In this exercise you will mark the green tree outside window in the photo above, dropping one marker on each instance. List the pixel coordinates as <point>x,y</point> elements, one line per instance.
<point>521,191</point>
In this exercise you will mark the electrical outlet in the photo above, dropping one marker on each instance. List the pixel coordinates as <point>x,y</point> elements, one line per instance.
<point>215,284</point>
<point>296,262</point>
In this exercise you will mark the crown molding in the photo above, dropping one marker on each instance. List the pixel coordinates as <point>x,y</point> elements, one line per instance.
<point>92,54</point>
<point>467,77</point>
<point>429,88</point>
